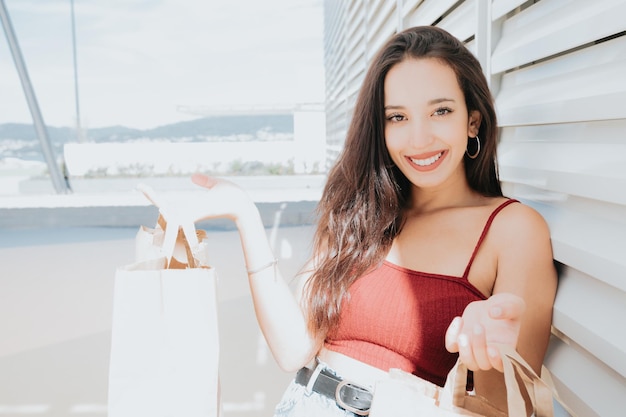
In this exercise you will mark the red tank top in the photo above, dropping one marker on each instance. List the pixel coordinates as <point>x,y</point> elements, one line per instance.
<point>397,317</point>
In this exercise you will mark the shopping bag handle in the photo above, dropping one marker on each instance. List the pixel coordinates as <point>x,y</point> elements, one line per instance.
<point>172,262</point>
<point>175,221</point>
<point>514,366</point>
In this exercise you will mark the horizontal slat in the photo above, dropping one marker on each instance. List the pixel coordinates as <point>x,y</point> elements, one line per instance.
<point>575,159</point>
<point>502,7</point>
<point>550,27</point>
<point>356,38</point>
<point>336,88</point>
<point>589,243</point>
<point>379,10</point>
<point>356,12</point>
<point>332,106</point>
<point>583,318</point>
<point>576,248</point>
<point>379,14</point>
<point>585,85</point>
<point>350,3</point>
<point>603,132</point>
<point>356,74</point>
<point>429,11</point>
<point>388,27</point>
<point>563,184</point>
<point>592,170</point>
<point>462,21</point>
<point>408,8</point>
<point>585,385</point>
<point>355,55</point>
<point>356,31</point>
<point>337,117</point>
<point>356,71</point>
<point>333,12</point>
<point>354,86</point>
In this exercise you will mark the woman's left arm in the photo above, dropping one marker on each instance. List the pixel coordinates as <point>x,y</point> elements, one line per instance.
<point>519,312</point>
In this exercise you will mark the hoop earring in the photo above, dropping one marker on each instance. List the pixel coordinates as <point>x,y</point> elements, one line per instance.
<point>475,154</point>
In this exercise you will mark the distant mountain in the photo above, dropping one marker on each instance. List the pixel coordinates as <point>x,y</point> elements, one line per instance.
<point>219,126</point>
<point>225,126</point>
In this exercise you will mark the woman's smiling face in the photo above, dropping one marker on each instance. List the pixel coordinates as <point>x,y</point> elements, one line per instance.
<point>427,122</point>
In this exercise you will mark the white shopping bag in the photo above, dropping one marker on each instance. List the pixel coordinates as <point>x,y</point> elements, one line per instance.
<point>165,345</point>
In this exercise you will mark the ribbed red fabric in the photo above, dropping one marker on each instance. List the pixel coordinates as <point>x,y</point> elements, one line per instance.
<point>397,318</point>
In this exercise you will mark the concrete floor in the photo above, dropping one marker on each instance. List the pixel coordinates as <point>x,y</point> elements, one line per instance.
<point>56,288</point>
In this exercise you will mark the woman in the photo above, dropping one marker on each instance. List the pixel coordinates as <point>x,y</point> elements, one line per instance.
<point>418,257</point>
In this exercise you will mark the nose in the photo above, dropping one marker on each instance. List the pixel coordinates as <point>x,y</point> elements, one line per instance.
<point>420,133</point>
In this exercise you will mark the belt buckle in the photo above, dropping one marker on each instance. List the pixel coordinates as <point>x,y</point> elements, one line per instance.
<point>342,403</point>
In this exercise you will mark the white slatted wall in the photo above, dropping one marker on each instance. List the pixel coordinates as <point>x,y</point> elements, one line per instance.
<point>558,71</point>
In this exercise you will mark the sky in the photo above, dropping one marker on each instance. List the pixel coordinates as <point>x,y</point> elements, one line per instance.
<point>138,61</point>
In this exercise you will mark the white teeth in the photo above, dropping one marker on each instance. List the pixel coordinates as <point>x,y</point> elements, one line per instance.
<point>427,161</point>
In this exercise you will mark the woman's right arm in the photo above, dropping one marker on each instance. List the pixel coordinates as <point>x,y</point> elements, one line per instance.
<point>278,312</point>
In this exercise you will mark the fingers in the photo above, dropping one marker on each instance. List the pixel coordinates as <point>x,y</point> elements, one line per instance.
<point>469,343</point>
<point>483,325</point>
<point>472,348</point>
<point>479,348</point>
<point>224,199</point>
<point>203,180</point>
<point>452,335</point>
<point>494,358</point>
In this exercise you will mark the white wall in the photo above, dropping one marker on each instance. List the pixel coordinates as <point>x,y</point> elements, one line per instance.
<point>556,68</point>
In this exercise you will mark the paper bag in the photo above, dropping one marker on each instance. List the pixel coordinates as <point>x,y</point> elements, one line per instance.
<point>404,394</point>
<point>165,346</point>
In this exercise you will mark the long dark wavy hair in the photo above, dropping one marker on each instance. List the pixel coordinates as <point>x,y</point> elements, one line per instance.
<point>361,208</point>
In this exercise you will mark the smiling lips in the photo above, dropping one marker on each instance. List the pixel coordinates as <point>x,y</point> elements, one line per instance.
<point>426,162</point>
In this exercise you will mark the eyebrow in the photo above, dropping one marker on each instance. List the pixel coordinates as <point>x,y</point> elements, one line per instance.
<point>440,100</point>
<point>430,103</point>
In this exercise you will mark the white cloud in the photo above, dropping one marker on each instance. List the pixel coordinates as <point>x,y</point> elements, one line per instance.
<point>138,60</point>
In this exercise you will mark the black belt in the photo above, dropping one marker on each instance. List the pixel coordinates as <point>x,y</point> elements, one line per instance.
<point>348,396</point>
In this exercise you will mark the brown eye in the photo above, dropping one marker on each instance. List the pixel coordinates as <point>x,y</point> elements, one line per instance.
<point>395,117</point>
<point>442,111</point>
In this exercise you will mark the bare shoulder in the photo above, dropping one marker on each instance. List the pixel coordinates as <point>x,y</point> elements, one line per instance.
<point>521,223</point>
<point>521,240</point>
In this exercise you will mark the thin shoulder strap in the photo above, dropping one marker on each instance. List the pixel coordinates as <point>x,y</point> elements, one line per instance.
<point>484,233</point>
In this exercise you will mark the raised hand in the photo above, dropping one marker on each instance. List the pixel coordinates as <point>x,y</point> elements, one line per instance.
<point>484,323</point>
<point>220,199</point>
<point>224,199</point>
